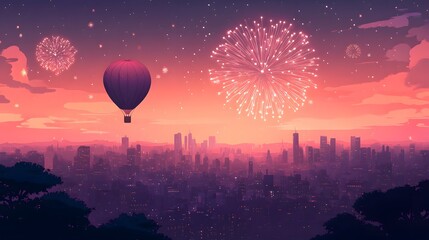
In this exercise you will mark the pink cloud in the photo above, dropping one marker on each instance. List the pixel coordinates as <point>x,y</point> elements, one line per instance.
<point>19,66</point>
<point>399,53</point>
<point>419,52</point>
<point>10,117</point>
<point>381,99</point>
<point>394,22</point>
<point>421,33</point>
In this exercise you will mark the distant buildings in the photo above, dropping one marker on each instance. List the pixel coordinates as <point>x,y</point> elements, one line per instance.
<point>125,144</point>
<point>82,161</point>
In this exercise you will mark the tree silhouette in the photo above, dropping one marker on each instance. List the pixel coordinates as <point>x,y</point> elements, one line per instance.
<point>131,227</point>
<point>398,213</point>
<point>28,210</point>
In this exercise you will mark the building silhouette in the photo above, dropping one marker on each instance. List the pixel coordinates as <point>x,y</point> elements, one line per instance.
<point>82,161</point>
<point>178,142</point>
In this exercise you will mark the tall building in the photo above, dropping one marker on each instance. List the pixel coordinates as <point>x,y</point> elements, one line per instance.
<point>82,160</point>
<point>177,142</point>
<point>197,161</point>
<point>205,164</point>
<point>269,158</point>
<point>284,156</point>
<point>354,149</point>
<point>125,144</point>
<point>250,173</point>
<point>227,164</point>
<point>139,153</point>
<point>324,148</point>
<point>186,143</point>
<point>412,152</point>
<point>212,142</point>
<point>132,156</point>
<point>333,149</point>
<point>310,154</point>
<point>296,151</point>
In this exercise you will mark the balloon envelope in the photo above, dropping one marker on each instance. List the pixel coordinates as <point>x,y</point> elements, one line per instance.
<point>127,82</point>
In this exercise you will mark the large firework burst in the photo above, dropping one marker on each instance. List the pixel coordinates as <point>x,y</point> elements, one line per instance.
<point>55,54</point>
<point>264,69</point>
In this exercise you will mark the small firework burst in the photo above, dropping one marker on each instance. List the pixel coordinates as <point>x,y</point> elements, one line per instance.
<point>55,54</point>
<point>353,51</point>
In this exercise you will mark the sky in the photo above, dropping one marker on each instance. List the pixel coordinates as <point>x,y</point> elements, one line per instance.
<point>381,95</point>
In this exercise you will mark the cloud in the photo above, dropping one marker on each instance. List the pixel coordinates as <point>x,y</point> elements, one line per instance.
<point>418,76</point>
<point>10,117</point>
<point>7,79</point>
<point>421,33</point>
<point>92,107</point>
<point>19,65</point>
<point>381,99</point>
<point>419,52</point>
<point>399,53</point>
<point>394,22</point>
<point>366,121</point>
<point>3,99</point>
<point>44,123</point>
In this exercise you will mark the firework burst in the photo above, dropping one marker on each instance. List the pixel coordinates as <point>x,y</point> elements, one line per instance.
<point>264,69</point>
<point>55,54</point>
<point>353,51</point>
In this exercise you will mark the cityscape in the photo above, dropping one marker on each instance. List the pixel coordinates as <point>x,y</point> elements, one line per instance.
<point>209,190</point>
<point>214,120</point>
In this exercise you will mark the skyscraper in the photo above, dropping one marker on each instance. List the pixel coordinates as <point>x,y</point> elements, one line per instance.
<point>333,149</point>
<point>284,156</point>
<point>269,158</point>
<point>310,154</point>
<point>82,160</point>
<point>197,162</point>
<point>354,149</point>
<point>296,151</point>
<point>125,144</point>
<point>212,142</point>
<point>186,143</point>
<point>324,148</point>
<point>250,174</point>
<point>177,142</point>
<point>132,156</point>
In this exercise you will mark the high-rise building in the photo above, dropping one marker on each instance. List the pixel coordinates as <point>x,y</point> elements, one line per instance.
<point>269,158</point>
<point>204,145</point>
<point>197,161</point>
<point>82,160</point>
<point>227,164</point>
<point>186,143</point>
<point>177,142</point>
<point>284,156</point>
<point>212,142</point>
<point>132,156</point>
<point>412,152</point>
<point>324,148</point>
<point>125,144</point>
<point>354,149</point>
<point>139,153</point>
<point>296,148</point>
<point>333,149</point>
<point>250,174</point>
<point>205,164</point>
<point>310,154</point>
<point>268,184</point>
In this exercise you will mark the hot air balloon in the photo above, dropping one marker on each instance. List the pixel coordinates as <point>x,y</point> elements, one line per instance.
<point>127,82</point>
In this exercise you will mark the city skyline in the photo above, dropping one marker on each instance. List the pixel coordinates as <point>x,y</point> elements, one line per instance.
<point>378,92</point>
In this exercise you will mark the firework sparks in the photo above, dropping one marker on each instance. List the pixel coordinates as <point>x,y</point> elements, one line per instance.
<point>264,69</point>
<point>353,51</point>
<point>55,54</point>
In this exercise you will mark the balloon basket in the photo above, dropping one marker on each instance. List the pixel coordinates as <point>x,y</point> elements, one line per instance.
<point>127,119</point>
